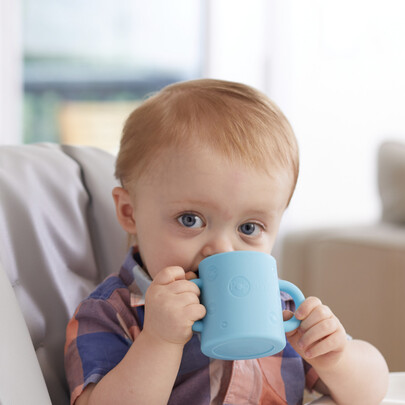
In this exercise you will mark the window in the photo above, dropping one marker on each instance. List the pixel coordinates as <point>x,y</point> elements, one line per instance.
<point>87,64</point>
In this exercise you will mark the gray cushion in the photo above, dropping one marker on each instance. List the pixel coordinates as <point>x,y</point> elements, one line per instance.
<point>58,239</point>
<point>391,181</point>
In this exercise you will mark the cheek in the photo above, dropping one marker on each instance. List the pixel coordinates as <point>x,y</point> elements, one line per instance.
<point>167,252</point>
<point>157,250</point>
<point>158,259</point>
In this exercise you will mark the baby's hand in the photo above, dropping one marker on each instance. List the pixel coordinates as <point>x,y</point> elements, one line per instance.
<point>172,306</point>
<point>321,338</point>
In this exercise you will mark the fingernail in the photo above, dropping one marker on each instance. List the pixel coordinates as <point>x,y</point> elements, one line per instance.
<point>308,354</point>
<point>300,344</point>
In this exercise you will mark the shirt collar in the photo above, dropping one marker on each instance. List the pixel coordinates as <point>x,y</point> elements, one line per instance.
<point>134,276</point>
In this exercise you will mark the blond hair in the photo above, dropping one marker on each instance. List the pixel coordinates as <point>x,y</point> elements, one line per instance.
<point>231,118</point>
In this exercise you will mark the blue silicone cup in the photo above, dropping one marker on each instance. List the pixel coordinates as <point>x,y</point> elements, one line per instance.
<point>241,292</point>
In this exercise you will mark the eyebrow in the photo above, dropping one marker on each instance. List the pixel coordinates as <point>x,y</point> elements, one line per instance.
<point>197,202</point>
<point>253,212</point>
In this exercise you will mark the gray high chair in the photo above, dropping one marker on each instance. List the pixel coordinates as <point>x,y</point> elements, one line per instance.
<point>58,239</point>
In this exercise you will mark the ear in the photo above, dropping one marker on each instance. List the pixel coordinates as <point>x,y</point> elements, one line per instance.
<point>124,209</point>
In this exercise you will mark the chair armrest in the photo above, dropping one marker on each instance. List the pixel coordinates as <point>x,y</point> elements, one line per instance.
<point>21,379</point>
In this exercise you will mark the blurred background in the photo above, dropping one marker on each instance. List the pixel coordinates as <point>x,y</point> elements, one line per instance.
<point>71,71</point>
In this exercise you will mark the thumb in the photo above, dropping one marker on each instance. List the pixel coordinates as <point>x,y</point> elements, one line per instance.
<point>294,333</point>
<point>287,315</point>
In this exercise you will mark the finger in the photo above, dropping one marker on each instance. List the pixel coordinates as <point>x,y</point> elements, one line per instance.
<point>182,286</point>
<point>195,312</point>
<point>307,307</point>
<point>318,332</point>
<point>186,298</point>
<point>318,314</point>
<point>287,315</point>
<point>190,275</point>
<point>332,343</point>
<point>169,274</point>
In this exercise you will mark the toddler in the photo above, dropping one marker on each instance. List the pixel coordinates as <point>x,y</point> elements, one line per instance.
<point>206,166</point>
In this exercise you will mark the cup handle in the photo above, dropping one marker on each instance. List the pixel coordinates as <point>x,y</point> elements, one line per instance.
<point>198,325</point>
<point>298,298</point>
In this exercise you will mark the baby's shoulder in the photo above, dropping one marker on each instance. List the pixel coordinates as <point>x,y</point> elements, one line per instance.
<point>109,298</point>
<point>112,286</point>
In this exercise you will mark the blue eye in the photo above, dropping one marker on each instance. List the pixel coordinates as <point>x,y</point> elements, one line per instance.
<point>250,229</point>
<point>190,221</point>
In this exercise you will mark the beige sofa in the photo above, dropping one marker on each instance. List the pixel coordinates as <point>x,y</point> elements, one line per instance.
<point>359,271</point>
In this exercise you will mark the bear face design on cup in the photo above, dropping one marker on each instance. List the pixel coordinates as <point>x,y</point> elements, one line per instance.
<point>241,293</point>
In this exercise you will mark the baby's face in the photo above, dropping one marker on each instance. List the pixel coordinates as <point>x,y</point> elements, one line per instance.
<point>195,204</point>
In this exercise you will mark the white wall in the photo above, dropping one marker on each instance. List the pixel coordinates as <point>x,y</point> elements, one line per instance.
<point>346,95</point>
<point>10,72</point>
<point>236,41</point>
<point>337,70</point>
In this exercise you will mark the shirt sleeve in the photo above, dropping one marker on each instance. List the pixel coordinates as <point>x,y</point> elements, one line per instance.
<point>95,343</point>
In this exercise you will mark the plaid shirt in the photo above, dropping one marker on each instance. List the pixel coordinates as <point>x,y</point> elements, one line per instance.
<point>106,323</point>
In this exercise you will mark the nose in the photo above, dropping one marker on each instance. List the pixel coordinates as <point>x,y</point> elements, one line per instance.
<point>217,244</point>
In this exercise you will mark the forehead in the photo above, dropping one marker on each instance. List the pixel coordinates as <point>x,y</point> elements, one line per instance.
<point>204,175</point>
<point>197,160</point>
<point>196,153</point>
